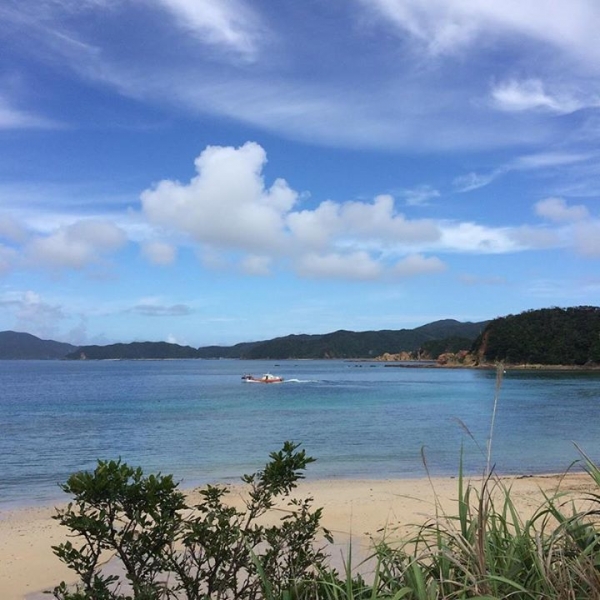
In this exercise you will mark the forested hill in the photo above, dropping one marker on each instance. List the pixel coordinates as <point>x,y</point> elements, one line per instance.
<point>550,336</point>
<point>135,351</point>
<point>24,346</point>
<point>346,344</point>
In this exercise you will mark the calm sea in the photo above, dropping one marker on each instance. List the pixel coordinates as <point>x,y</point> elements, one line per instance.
<point>198,420</point>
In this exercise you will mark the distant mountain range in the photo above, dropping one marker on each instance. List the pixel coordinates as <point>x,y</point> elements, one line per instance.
<point>339,344</point>
<point>548,336</point>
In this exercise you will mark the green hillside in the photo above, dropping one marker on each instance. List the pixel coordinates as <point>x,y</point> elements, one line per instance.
<point>551,336</point>
<point>346,344</point>
<point>135,350</point>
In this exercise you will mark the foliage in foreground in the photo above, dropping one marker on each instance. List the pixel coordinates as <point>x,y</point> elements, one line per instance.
<point>169,550</point>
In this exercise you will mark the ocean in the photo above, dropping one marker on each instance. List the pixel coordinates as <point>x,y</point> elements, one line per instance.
<point>197,420</point>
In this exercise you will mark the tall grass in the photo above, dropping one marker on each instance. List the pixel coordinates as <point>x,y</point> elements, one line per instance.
<point>488,550</point>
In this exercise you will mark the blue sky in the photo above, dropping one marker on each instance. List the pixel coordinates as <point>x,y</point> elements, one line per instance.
<point>217,171</point>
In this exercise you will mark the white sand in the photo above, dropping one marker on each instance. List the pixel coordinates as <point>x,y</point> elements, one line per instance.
<point>355,510</point>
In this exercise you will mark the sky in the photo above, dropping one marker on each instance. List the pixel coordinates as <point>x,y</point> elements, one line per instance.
<point>221,171</point>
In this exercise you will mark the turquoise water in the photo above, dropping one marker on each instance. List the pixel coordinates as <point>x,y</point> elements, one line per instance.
<point>199,421</point>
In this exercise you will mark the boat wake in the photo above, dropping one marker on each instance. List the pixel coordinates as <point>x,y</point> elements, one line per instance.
<point>301,381</point>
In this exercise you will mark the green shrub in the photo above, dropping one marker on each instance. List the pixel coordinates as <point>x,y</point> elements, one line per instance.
<point>168,549</point>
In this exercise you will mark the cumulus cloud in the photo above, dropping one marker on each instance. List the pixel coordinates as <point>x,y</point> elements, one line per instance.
<point>159,253</point>
<point>365,221</point>
<point>77,245</point>
<point>227,203</point>
<point>228,208</point>
<point>556,209</point>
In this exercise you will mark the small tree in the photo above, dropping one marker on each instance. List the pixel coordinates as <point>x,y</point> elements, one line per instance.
<point>170,550</point>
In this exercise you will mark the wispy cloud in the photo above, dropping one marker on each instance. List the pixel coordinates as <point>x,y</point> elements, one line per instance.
<point>530,94</point>
<point>153,309</point>
<point>448,26</point>
<point>420,195</point>
<point>16,118</point>
<point>229,24</point>
<point>222,68</point>
<point>528,162</point>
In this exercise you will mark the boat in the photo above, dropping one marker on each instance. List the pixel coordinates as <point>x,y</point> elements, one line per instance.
<point>266,378</point>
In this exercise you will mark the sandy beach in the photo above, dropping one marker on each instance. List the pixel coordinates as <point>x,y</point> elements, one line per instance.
<point>356,511</point>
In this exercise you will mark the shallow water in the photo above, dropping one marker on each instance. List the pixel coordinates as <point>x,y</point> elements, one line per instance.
<point>198,420</point>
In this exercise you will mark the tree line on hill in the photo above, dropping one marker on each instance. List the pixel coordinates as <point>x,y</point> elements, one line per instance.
<point>339,344</point>
<point>551,336</point>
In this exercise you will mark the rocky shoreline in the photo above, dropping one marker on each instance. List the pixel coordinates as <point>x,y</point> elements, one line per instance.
<point>467,360</point>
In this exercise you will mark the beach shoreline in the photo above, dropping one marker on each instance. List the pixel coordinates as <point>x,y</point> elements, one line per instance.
<point>356,511</point>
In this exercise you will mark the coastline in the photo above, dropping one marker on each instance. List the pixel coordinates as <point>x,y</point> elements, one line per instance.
<point>356,511</point>
<point>432,364</point>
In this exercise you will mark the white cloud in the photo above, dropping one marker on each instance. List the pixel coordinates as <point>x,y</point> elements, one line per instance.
<point>159,253</point>
<point>474,181</point>
<point>228,207</point>
<point>235,219</point>
<point>449,26</point>
<point>75,246</point>
<point>556,209</point>
<point>417,264</point>
<point>227,203</point>
<point>527,162</point>
<point>420,195</point>
<point>369,222</point>
<point>530,94</point>
<point>542,160</point>
<point>470,237</point>
<point>229,24</point>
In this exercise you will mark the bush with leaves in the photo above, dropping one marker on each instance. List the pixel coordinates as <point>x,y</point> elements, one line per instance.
<point>168,549</point>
